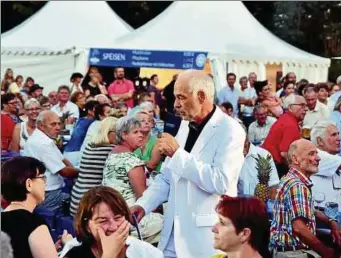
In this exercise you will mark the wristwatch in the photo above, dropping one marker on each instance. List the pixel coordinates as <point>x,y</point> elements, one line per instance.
<point>331,220</point>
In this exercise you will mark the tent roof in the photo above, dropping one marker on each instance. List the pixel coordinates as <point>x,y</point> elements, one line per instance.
<point>217,27</point>
<point>61,25</point>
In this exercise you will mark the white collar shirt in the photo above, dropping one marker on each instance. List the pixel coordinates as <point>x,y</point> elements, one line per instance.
<point>43,148</point>
<point>320,112</point>
<point>257,133</point>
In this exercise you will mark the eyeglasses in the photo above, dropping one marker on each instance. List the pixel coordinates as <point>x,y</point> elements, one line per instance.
<point>33,109</point>
<point>41,177</point>
<point>302,105</point>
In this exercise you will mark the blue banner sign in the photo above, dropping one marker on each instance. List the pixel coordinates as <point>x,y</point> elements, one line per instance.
<point>147,58</point>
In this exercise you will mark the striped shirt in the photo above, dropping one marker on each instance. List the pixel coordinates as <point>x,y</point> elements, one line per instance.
<point>90,173</point>
<point>293,200</point>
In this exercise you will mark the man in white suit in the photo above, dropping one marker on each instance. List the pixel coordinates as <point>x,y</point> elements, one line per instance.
<point>203,162</point>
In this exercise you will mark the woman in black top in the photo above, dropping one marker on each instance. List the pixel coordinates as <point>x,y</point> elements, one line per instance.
<point>23,185</point>
<point>94,87</point>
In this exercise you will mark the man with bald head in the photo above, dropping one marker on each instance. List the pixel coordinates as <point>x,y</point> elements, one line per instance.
<point>294,225</point>
<point>203,162</point>
<point>285,131</point>
<point>41,146</point>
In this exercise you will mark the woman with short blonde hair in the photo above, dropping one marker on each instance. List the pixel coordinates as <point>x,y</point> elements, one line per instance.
<point>93,160</point>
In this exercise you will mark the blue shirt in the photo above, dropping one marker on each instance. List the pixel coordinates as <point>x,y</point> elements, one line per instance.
<point>78,134</point>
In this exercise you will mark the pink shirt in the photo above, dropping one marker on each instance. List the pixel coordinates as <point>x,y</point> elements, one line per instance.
<point>121,87</point>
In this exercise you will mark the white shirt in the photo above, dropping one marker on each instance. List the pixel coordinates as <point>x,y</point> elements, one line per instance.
<point>43,148</point>
<point>232,96</point>
<point>332,100</point>
<point>320,112</point>
<point>326,180</point>
<point>69,107</point>
<point>249,93</point>
<point>248,175</point>
<point>258,133</point>
<point>74,88</point>
<point>92,130</point>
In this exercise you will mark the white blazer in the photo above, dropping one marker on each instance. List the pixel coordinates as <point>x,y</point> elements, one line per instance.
<point>192,183</point>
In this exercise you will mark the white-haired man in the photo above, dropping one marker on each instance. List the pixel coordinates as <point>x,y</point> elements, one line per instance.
<point>325,136</point>
<point>285,131</point>
<point>203,162</point>
<point>40,145</point>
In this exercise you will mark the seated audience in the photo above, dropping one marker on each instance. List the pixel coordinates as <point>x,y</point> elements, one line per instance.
<point>259,129</point>
<point>25,129</point>
<point>249,175</point>
<point>243,228</point>
<point>316,110</point>
<point>64,106</point>
<point>278,140</point>
<point>102,227</point>
<point>78,98</point>
<point>53,97</point>
<point>23,185</point>
<point>266,99</point>
<point>41,146</point>
<point>125,172</point>
<point>288,88</point>
<point>101,111</point>
<point>9,111</point>
<point>322,90</point>
<point>294,224</point>
<point>45,103</point>
<point>15,86</point>
<point>72,149</point>
<point>92,161</point>
<point>326,137</point>
<point>147,152</point>
<point>122,109</point>
<point>76,79</point>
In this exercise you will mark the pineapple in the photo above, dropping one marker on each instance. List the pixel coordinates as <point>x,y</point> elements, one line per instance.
<point>264,170</point>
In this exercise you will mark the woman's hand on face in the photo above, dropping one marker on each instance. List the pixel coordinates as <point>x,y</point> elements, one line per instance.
<point>112,245</point>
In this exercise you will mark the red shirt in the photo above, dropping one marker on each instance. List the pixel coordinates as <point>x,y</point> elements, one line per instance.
<point>7,128</point>
<point>282,133</point>
<point>121,87</point>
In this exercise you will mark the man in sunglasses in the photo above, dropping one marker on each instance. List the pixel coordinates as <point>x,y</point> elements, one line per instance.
<point>285,131</point>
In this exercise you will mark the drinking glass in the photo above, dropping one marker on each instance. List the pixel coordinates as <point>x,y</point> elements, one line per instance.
<point>319,198</point>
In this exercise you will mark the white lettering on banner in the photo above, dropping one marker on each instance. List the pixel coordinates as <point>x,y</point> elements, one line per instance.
<point>114,56</point>
<point>140,58</point>
<point>140,52</point>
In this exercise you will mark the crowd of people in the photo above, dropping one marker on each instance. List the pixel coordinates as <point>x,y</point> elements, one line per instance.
<point>241,176</point>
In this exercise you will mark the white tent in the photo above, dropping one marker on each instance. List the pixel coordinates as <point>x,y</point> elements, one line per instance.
<point>54,42</point>
<point>235,40</point>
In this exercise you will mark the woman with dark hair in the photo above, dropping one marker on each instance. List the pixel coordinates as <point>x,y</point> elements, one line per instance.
<point>7,80</point>
<point>78,98</point>
<point>101,225</point>
<point>322,90</point>
<point>27,85</point>
<point>243,229</point>
<point>23,186</point>
<point>288,88</point>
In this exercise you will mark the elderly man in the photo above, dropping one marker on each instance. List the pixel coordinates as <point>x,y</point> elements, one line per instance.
<point>53,97</point>
<point>326,138</point>
<point>65,106</point>
<point>248,178</point>
<point>316,110</point>
<point>294,223</point>
<point>285,131</point>
<point>204,162</point>
<point>259,129</point>
<point>41,146</point>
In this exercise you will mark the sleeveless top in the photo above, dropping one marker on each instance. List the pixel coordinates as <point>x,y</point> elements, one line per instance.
<point>23,134</point>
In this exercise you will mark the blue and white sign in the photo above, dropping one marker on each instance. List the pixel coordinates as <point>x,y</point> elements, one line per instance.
<point>147,58</point>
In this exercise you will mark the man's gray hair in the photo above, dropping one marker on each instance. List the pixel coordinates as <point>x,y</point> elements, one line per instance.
<point>6,247</point>
<point>291,151</point>
<point>30,102</point>
<point>42,116</point>
<point>289,100</point>
<point>202,83</point>
<point>319,130</point>
<point>338,80</point>
<point>125,125</point>
<point>146,105</point>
